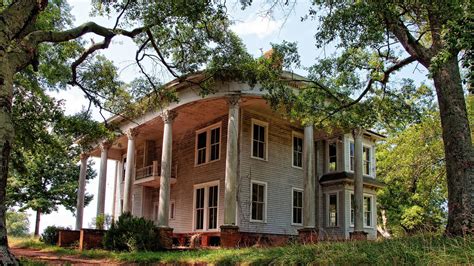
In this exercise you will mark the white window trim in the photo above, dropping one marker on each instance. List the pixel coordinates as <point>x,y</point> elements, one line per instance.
<point>293,189</point>
<point>371,156</point>
<point>328,217</point>
<point>207,129</point>
<point>298,135</point>
<point>330,141</point>
<point>265,203</point>
<point>372,205</point>
<point>265,125</point>
<point>206,205</point>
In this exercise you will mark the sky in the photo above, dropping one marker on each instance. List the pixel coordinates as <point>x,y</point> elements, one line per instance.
<point>257,30</point>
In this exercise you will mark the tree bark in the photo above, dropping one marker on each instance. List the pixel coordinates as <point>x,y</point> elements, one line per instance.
<point>6,140</point>
<point>37,222</point>
<point>458,148</point>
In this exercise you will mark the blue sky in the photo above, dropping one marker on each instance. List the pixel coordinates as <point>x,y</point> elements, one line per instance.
<point>257,31</point>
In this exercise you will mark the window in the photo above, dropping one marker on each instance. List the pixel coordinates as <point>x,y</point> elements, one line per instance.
<point>124,167</point>
<point>208,142</point>
<point>259,196</point>
<point>367,211</point>
<point>259,139</point>
<point>297,151</point>
<point>172,209</point>
<point>332,150</point>
<point>206,205</point>
<point>332,210</point>
<point>366,156</point>
<point>297,207</point>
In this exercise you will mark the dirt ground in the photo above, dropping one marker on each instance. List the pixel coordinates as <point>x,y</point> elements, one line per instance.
<point>53,259</point>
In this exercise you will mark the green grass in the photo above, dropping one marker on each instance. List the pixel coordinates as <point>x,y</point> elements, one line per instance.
<point>419,250</point>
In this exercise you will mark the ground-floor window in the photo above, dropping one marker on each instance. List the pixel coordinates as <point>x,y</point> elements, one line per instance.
<point>259,201</point>
<point>206,206</point>
<point>297,206</point>
<point>332,208</point>
<point>367,210</point>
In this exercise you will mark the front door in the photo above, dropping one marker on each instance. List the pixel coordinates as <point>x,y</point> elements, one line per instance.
<point>206,206</point>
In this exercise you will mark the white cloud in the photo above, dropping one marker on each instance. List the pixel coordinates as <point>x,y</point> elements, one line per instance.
<point>259,26</point>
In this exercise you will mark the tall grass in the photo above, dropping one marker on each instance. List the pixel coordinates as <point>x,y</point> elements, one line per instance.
<point>419,250</point>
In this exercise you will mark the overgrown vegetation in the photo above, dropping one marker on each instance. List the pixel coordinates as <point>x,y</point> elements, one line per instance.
<point>417,250</point>
<point>17,223</point>
<point>50,234</point>
<point>131,233</point>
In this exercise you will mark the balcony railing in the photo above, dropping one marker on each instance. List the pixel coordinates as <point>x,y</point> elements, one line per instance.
<point>154,170</point>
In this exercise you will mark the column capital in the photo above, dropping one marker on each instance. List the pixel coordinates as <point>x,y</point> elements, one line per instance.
<point>84,156</point>
<point>168,116</point>
<point>105,145</point>
<point>233,100</point>
<point>131,133</point>
<point>357,132</point>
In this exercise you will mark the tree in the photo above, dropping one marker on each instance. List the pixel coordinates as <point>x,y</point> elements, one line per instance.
<point>17,223</point>
<point>375,39</point>
<point>411,163</point>
<point>38,36</point>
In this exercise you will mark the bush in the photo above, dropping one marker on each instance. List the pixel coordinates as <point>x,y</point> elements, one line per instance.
<point>130,233</point>
<point>50,234</point>
<point>17,223</point>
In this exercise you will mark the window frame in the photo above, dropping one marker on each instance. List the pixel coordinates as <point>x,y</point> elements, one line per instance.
<point>371,158</point>
<point>206,187</point>
<point>265,200</point>
<point>293,190</point>
<point>372,202</point>
<point>208,131</point>
<point>266,127</point>
<point>328,160</point>
<point>172,210</point>
<point>293,136</point>
<point>328,216</point>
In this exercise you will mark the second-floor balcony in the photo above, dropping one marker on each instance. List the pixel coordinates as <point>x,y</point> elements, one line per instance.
<point>150,175</point>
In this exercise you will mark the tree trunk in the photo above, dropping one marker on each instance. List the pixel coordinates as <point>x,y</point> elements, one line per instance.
<point>458,148</point>
<point>6,139</point>
<point>37,223</point>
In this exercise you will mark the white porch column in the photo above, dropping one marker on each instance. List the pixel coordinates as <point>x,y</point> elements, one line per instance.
<point>166,162</point>
<point>309,199</point>
<point>358,181</point>
<point>104,148</point>
<point>81,191</point>
<point>127,195</point>
<point>232,161</point>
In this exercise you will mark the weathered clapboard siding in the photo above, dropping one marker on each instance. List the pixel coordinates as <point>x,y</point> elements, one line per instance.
<point>189,175</point>
<point>276,171</point>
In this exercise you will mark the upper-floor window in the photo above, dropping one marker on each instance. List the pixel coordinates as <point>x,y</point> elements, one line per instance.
<point>259,139</point>
<point>366,157</point>
<point>208,142</point>
<point>297,150</point>
<point>297,212</point>
<point>259,201</point>
<point>367,211</point>
<point>332,156</point>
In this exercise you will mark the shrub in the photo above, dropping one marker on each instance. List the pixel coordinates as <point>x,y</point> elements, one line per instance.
<point>130,233</point>
<point>50,234</point>
<point>17,223</point>
<point>101,222</point>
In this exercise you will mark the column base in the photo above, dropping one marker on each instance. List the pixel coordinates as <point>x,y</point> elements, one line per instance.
<point>358,235</point>
<point>308,235</point>
<point>230,236</point>
<point>165,237</point>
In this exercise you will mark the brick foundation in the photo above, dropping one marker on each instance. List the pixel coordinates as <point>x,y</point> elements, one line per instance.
<point>248,239</point>
<point>67,238</point>
<point>165,237</point>
<point>230,236</point>
<point>358,235</point>
<point>308,235</point>
<point>91,238</point>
